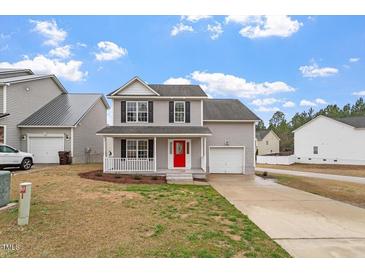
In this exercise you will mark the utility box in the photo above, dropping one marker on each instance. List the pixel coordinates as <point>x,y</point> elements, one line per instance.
<point>5,181</point>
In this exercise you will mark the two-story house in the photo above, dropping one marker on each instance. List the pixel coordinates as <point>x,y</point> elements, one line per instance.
<point>168,129</point>
<point>39,116</point>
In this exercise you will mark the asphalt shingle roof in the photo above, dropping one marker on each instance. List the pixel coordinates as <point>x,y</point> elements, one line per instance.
<point>178,90</point>
<point>227,109</point>
<point>65,110</point>
<point>356,121</point>
<point>260,134</point>
<point>154,130</point>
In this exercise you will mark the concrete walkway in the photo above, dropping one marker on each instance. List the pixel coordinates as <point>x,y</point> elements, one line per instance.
<point>352,179</point>
<point>304,224</point>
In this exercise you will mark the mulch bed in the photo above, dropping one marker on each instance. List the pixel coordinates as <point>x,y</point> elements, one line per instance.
<point>98,175</point>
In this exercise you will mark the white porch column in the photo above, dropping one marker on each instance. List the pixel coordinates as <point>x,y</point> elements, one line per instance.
<point>104,153</point>
<point>203,157</point>
<point>154,154</point>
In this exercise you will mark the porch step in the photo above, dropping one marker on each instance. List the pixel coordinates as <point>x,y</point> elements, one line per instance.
<point>181,177</point>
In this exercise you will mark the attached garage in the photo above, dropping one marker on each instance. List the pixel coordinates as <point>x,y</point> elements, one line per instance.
<point>226,159</point>
<point>45,149</point>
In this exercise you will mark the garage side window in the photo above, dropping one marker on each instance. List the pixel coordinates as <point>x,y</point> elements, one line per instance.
<point>315,150</point>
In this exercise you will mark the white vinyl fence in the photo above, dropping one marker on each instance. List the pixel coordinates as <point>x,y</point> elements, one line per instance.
<point>276,160</point>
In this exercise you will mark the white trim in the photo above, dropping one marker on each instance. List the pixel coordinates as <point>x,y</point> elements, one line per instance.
<point>155,153</point>
<point>159,98</point>
<point>136,78</point>
<point>201,112</point>
<point>4,126</point>
<point>154,134</point>
<point>36,126</point>
<point>184,104</point>
<point>243,156</point>
<point>72,142</point>
<point>126,112</point>
<point>231,121</point>
<point>5,99</point>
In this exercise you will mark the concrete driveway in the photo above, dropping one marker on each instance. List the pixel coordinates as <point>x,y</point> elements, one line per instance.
<point>306,225</point>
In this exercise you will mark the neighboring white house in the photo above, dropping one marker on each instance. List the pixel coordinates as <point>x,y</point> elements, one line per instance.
<point>267,142</point>
<point>325,140</point>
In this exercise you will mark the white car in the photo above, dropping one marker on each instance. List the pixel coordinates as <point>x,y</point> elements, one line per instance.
<point>11,157</point>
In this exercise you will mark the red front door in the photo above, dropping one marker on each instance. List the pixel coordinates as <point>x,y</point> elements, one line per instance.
<point>179,154</point>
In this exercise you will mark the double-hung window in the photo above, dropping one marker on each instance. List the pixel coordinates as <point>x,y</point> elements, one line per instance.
<point>137,112</point>
<point>137,149</point>
<point>179,112</point>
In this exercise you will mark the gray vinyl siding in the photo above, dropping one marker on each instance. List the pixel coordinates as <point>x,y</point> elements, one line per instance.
<point>160,114</point>
<point>44,132</point>
<point>22,103</point>
<point>162,151</point>
<point>237,134</point>
<point>85,135</point>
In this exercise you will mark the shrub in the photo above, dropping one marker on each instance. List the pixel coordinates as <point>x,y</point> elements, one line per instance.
<point>99,174</point>
<point>117,177</point>
<point>137,177</point>
<point>154,178</point>
<point>264,174</point>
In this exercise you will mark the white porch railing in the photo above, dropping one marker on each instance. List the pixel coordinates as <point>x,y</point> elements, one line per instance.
<point>112,164</point>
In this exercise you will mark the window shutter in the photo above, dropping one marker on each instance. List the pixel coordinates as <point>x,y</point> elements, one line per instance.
<point>150,111</point>
<point>171,112</point>
<point>187,112</point>
<point>123,111</point>
<point>150,148</point>
<point>123,148</point>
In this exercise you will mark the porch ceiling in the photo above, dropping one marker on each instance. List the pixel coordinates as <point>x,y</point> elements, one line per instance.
<point>155,131</point>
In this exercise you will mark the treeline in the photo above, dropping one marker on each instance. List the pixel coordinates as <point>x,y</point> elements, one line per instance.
<point>284,128</point>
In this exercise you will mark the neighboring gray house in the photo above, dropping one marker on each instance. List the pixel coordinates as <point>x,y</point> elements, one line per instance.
<point>39,116</point>
<point>267,142</point>
<point>177,129</point>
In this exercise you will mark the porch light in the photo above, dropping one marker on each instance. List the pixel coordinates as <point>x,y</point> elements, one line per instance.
<point>67,137</point>
<point>226,142</point>
<point>24,137</point>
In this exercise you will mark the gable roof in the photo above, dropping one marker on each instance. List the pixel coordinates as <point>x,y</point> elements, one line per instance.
<point>11,70</point>
<point>163,90</point>
<point>356,121</point>
<point>26,78</point>
<point>179,90</point>
<point>227,109</point>
<point>66,110</point>
<point>260,134</point>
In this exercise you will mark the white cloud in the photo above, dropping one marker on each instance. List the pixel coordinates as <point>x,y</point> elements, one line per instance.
<point>320,101</point>
<point>354,59</point>
<point>49,29</point>
<point>195,18</point>
<point>307,103</point>
<point>61,52</point>
<point>359,93</point>
<point>289,104</point>
<point>215,30</point>
<point>265,25</point>
<point>180,27</point>
<point>267,109</point>
<point>264,102</point>
<point>109,51</point>
<point>70,70</point>
<point>225,84</point>
<point>313,71</point>
<point>177,81</point>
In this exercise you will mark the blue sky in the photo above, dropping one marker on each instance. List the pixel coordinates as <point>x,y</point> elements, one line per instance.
<point>286,63</point>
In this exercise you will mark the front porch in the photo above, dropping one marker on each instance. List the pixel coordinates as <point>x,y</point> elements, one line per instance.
<point>155,155</point>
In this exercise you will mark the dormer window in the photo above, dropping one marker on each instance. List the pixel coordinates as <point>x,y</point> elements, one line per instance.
<point>179,113</point>
<point>137,112</point>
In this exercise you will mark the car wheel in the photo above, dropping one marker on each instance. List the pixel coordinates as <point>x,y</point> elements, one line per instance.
<point>26,164</point>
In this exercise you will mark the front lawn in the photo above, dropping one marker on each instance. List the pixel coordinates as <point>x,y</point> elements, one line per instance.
<point>346,192</point>
<point>76,217</point>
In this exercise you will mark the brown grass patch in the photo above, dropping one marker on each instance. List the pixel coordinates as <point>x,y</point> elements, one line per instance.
<point>98,175</point>
<point>347,170</point>
<point>347,192</point>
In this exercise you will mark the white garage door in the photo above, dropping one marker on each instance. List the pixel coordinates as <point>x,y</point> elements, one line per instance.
<point>45,149</point>
<point>226,159</point>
